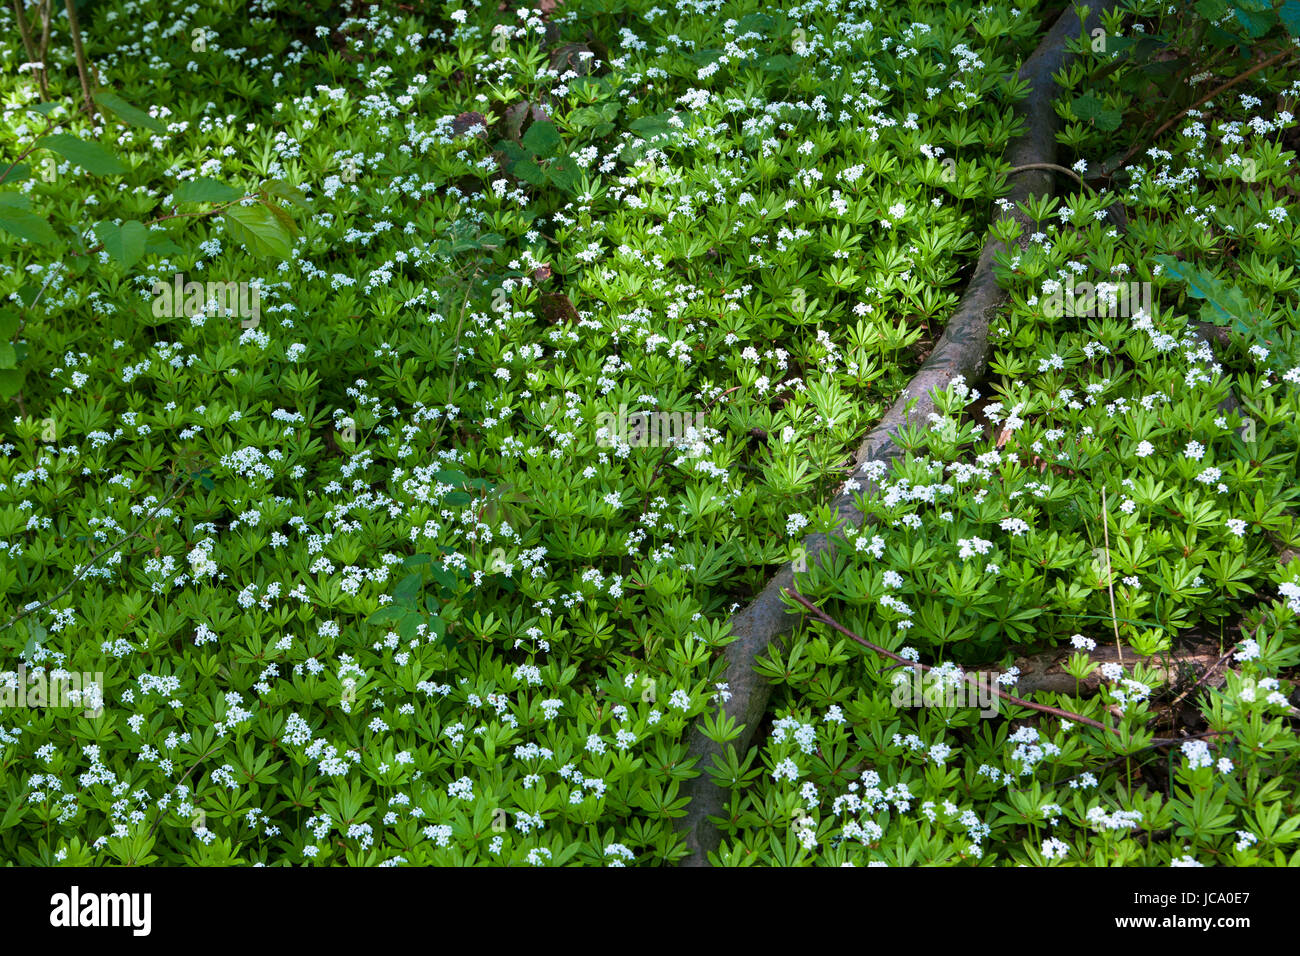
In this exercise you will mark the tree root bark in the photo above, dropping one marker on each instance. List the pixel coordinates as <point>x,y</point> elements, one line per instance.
<point>961,351</point>
<point>1193,661</point>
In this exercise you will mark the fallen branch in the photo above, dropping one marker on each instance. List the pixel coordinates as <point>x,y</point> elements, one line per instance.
<point>962,350</point>
<point>926,668</point>
<point>1009,698</point>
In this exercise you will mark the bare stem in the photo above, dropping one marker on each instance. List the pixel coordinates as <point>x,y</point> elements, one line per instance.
<point>83,68</point>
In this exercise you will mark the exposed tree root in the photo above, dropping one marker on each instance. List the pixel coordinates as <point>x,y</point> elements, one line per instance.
<point>1194,661</point>
<point>961,351</point>
<point>1194,665</point>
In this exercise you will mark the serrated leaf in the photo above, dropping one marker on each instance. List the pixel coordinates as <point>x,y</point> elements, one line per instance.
<point>27,226</point>
<point>1108,120</point>
<point>781,63</point>
<point>529,172</point>
<point>158,243</point>
<point>10,200</point>
<point>11,382</point>
<point>542,139</point>
<point>408,589</point>
<point>1289,14</point>
<point>260,232</point>
<point>205,190</point>
<point>21,172</point>
<point>389,612</point>
<point>409,624</point>
<point>1255,23</point>
<point>282,214</point>
<point>1227,303</point>
<point>124,110</point>
<point>125,243</point>
<point>564,173</point>
<point>759,23</point>
<point>289,193</point>
<point>90,156</point>
<point>446,580</point>
<point>1086,107</point>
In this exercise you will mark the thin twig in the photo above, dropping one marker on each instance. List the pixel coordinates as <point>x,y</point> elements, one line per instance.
<point>1214,667</point>
<point>1164,127</point>
<point>1053,167</point>
<point>49,124</point>
<point>1010,698</point>
<point>214,211</point>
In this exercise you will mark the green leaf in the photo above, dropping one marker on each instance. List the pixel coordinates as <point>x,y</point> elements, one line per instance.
<point>759,23</point>
<point>28,293</point>
<point>10,200</point>
<point>409,624</point>
<point>408,588</point>
<point>258,229</point>
<point>282,214</point>
<point>529,172</point>
<point>14,812</point>
<point>21,172</point>
<point>596,118</point>
<point>706,57</point>
<point>205,190</point>
<point>125,243</point>
<point>1228,304</point>
<point>1090,109</point>
<point>289,193</point>
<point>90,156</point>
<point>781,63</point>
<point>1289,14</point>
<point>389,612</point>
<point>9,322</point>
<point>1256,24</point>
<point>446,580</point>
<point>438,628</point>
<point>125,111</point>
<point>648,127</point>
<point>24,225</point>
<point>158,243</point>
<point>564,173</point>
<point>8,356</point>
<point>11,382</point>
<point>542,139</point>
